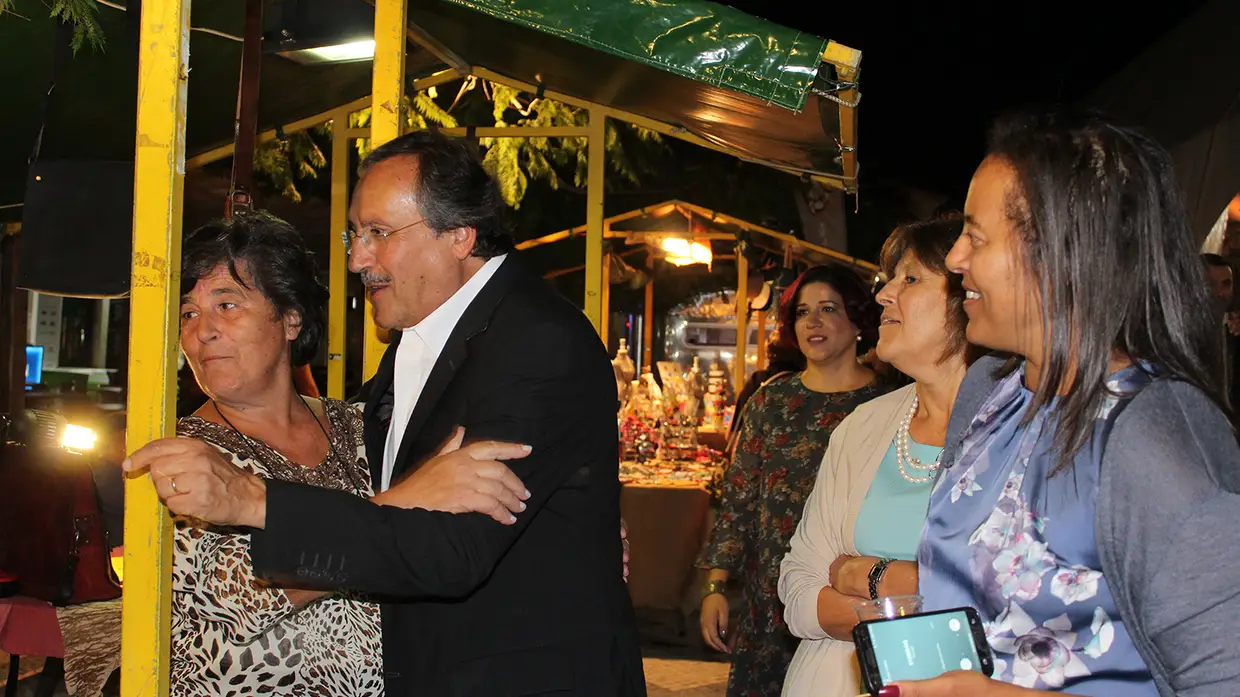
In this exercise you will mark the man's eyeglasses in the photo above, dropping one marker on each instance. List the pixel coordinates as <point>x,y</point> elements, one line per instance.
<point>368,237</point>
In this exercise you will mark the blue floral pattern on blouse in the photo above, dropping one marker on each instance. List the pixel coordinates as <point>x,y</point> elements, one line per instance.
<point>1009,539</point>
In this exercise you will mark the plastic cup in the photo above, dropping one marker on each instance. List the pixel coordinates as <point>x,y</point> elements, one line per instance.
<point>889,607</point>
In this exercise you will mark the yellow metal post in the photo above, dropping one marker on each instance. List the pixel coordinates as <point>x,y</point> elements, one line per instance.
<point>159,174</point>
<point>387,118</point>
<point>742,317</point>
<point>338,270</point>
<point>605,327</point>
<point>594,220</point>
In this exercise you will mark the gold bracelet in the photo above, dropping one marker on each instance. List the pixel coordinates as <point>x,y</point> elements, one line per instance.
<point>713,587</point>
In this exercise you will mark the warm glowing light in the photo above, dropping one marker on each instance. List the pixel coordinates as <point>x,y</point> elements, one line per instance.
<point>682,252</point>
<point>340,53</point>
<point>78,438</point>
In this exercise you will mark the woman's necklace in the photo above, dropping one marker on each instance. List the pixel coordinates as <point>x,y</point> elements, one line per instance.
<point>331,448</point>
<point>906,462</point>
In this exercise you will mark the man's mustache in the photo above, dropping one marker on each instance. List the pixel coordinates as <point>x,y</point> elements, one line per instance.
<point>369,279</point>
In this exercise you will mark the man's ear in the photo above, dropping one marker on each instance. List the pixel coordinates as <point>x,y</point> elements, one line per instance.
<point>463,240</point>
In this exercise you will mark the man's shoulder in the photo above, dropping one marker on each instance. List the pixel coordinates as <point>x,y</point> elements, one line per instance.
<point>534,309</point>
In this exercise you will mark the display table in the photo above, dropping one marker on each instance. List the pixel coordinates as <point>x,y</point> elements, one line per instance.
<point>667,527</point>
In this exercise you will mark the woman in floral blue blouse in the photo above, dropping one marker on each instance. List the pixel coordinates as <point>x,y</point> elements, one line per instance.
<point>1087,476</point>
<point>833,318</point>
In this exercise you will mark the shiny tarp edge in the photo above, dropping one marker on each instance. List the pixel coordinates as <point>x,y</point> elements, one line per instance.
<point>696,39</point>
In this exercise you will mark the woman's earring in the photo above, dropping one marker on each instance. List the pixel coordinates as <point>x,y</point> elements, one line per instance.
<point>858,337</point>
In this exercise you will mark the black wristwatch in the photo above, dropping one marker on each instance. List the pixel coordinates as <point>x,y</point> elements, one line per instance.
<point>876,576</point>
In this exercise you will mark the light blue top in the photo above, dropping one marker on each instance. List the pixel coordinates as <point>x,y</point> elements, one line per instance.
<point>894,510</point>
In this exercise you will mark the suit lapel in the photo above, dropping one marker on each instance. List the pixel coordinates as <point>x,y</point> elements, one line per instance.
<point>378,411</point>
<point>472,323</point>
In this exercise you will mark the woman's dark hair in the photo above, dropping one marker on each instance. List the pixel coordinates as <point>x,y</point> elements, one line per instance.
<point>859,304</point>
<point>279,265</point>
<point>453,189</point>
<point>1105,234</point>
<point>782,356</point>
<point>929,242</point>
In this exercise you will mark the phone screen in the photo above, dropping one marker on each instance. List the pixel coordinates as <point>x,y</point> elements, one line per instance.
<point>924,646</point>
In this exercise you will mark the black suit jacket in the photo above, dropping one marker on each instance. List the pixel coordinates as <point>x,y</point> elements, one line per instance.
<point>479,608</point>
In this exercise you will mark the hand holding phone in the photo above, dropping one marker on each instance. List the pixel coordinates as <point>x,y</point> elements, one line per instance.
<point>917,647</point>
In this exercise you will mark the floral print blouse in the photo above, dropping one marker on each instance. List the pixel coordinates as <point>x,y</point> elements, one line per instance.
<point>782,442</point>
<point>1006,537</point>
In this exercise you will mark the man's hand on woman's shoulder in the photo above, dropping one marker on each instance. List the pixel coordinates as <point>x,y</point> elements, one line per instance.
<point>469,479</point>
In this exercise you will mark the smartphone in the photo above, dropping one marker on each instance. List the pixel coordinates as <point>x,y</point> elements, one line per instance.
<point>924,646</point>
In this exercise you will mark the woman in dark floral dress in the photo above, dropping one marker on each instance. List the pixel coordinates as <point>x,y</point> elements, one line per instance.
<point>787,423</point>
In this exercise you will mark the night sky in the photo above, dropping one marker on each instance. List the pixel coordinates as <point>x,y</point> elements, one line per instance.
<point>935,74</point>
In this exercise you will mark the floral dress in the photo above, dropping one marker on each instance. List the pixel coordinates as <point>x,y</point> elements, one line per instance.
<point>1006,537</point>
<point>784,436</point>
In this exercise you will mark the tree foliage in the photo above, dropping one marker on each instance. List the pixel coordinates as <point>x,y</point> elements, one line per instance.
<point>81,14</point>
<point>289,157</point>
<point>562,163</point>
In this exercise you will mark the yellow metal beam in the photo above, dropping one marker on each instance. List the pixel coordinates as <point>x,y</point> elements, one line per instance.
<point>501,132</point>
<point>595,171</point>
<point>226,150</point>
<point>661,209</point>
<point>784,237</point>
<point>847,62</point>
<point>338,271</point>
<point>742,320</point>
<point>387,119</point>
<point>642,121</point>
<point>159,179</point>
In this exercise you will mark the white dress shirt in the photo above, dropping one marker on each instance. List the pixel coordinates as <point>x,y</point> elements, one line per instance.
<point>417,353</point>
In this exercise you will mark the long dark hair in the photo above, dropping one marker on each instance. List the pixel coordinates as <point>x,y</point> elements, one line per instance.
<point>1105,234</point>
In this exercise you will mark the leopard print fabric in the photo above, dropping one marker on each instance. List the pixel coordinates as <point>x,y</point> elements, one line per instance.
<point>231,634</point>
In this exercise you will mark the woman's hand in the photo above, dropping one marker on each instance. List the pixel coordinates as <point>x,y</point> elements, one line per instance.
<point>624,541</point>
<point>464,480</point>
<point>958,683</point>
<point>851,575</point>
<point>714,622</point>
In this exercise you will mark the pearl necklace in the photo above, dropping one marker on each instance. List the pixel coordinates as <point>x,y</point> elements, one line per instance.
<point>906,462</point>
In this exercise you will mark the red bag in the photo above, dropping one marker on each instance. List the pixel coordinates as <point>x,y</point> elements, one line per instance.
<point>51,532</point>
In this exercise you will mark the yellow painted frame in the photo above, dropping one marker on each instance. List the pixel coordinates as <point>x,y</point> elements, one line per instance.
<point>159,176</point>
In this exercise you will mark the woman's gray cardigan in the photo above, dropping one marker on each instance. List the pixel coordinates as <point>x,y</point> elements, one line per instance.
<point>1167,527</point>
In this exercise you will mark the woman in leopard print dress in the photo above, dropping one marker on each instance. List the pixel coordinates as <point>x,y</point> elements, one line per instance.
<point>251,309</point>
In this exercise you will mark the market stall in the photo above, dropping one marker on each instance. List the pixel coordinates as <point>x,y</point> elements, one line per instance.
<point>675,415</point>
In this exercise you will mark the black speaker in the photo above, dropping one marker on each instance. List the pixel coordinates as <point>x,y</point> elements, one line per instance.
<point>77,226</point>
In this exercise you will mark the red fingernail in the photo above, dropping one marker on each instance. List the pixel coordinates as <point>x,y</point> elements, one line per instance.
<point>889,691</point>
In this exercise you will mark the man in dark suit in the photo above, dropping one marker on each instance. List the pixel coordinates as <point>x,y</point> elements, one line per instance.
<point>474,607</point>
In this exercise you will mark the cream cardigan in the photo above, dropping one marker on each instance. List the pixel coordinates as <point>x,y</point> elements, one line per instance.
<point>823,666</point>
